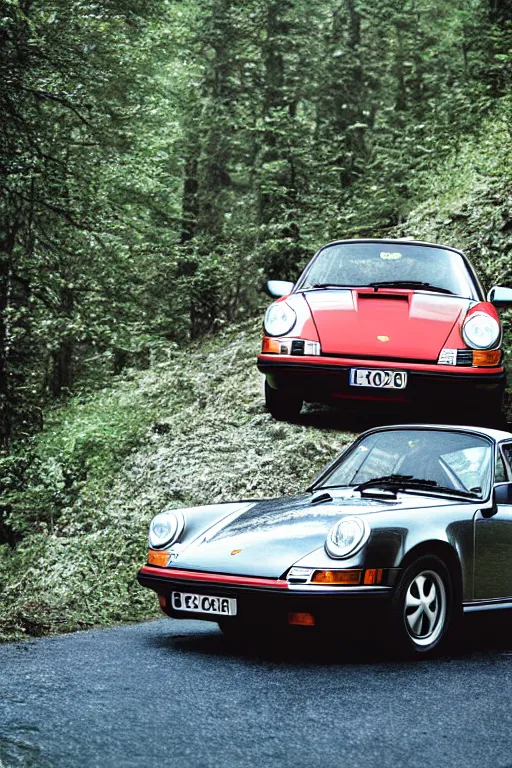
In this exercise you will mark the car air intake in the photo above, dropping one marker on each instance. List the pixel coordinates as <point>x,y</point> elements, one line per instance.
<point>381,295</point>
<point>464,357</point>
<point>323,498</point>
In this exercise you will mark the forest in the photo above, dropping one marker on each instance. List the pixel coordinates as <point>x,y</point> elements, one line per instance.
<point>159,160</point>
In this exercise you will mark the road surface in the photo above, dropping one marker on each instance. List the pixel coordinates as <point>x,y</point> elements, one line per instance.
<point>178,694</point>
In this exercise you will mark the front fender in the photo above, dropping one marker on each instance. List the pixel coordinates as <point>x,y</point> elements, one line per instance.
<point>392,543</point>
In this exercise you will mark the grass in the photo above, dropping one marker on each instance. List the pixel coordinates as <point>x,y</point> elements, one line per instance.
<point>191,430</point>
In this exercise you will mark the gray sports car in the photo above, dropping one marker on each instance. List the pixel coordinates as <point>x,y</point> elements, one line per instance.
<point>413,522</point>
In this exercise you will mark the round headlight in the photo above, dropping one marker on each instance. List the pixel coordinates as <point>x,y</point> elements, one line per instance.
<point>347,536</point>
<point>481,331</point>
<point>279,319</point>
<point>166,528</point>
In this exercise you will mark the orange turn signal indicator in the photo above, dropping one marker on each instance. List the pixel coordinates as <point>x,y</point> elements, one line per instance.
<point>337,577</point>
<point>486,357</point>
<point>156,557</point>
<point>271,345</point>
<point>302,619</point>
<point>373,576</point>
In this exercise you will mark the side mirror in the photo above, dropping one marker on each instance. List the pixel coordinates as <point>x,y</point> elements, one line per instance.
<point>500,297</point>
<point>503,493</point>
<point>278,288</point>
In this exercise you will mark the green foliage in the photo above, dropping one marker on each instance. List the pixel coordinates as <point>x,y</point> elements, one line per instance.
<point>158,162</point>
<point>101,468</point>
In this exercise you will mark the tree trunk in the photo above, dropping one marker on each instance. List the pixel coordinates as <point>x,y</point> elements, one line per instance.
<point>190,204</point>
<point>62,358</point>
<point>6,252</point>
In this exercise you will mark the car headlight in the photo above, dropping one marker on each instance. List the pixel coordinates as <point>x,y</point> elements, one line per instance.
<point>481,331</point>
<point>166,528</point>
<point>279,319</point>
<point>347,536</point>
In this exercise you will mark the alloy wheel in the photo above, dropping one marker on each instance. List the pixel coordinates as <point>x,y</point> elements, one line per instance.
<point>425,608</point>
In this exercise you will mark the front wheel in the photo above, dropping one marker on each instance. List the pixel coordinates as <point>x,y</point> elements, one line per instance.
<point>281,404</point>
<point>423,607</point>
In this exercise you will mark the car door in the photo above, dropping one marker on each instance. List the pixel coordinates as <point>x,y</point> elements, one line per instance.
<point>493,540</point>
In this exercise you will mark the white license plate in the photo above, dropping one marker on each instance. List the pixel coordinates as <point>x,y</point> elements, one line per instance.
<point>365,377</point>
<point>223,606</point>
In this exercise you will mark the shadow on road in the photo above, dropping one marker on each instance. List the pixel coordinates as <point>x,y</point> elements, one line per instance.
<point>480,634</point>
<point>358,418</point>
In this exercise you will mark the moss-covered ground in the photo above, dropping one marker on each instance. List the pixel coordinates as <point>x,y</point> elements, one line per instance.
<point>190,430</point>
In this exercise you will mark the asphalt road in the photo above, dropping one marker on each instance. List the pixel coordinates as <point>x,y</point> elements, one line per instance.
<point>169,693</point>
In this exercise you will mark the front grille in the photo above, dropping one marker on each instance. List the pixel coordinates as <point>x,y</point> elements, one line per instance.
<point>297,347</point>
<point>465,357</point>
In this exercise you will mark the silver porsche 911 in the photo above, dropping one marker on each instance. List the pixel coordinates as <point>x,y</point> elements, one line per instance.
<point>411,524</point>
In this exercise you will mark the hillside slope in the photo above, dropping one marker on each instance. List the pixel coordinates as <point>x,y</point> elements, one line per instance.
<point>469,204</point>
<point>191,430</point>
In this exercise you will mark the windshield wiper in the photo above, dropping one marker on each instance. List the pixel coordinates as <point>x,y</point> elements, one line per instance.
<point>455,492</point>
<point>409,284</point>
<point>406,482</point>
<point>394,481</point>
<point>325,285</point>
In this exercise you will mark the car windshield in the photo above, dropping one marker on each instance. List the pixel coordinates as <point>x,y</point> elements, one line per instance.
<point>419,460</point>
<point>387,263</point>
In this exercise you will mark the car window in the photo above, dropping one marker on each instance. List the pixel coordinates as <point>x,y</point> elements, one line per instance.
<point>360,264</point>
<point>467,465</point>
<point>506,450</point>
<point>368,463</point>
<point>500,474</point>
<point>455,460</point>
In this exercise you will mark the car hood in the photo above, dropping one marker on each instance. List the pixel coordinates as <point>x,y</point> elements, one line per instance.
<point>386,323</point>
<point>269,537</point>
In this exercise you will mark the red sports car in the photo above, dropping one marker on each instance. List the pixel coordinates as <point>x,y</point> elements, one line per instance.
<point>384,320</point>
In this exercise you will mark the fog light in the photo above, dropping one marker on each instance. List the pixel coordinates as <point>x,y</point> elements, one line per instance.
<point>163,602</point>
<point>337,577</point>
<point>312,348</point>
<point>158,558</point>
<point>302,619</point>
<point>448,357</point>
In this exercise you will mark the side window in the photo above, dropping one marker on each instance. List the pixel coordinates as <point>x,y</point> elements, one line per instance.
<point>468,465</point>
<point>500,475</point>
<point>506,449</point>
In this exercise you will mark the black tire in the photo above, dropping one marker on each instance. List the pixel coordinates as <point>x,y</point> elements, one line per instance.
<point>421,627</point>
<point>281,404</point>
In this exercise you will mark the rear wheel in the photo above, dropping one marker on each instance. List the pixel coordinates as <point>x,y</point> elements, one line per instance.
<point>423,607</point>
<point>281,404</point>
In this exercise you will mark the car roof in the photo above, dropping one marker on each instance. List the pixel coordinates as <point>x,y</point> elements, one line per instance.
<point>402,240</point>
<point>495,434</point>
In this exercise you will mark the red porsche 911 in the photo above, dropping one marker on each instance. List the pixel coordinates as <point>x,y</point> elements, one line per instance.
<point>387,321</point>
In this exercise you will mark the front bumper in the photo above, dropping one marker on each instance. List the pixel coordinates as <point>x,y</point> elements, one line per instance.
<point>327,378</point>
<point>268,601</point>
